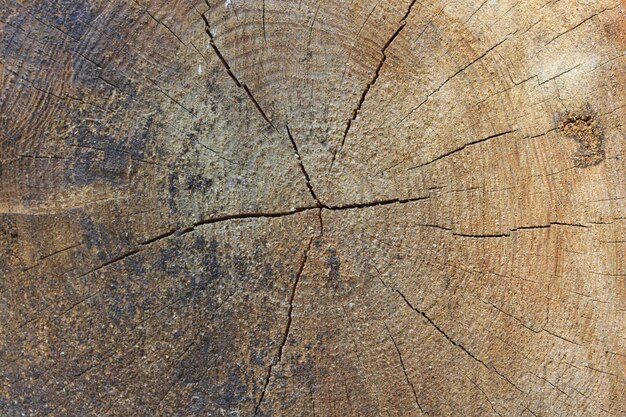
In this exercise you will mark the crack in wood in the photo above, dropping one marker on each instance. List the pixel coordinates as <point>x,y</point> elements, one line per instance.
<point>455,343</point>
<point>577,25</point>
<point>279,357</point>
<point>406,375</point>
<point>436,90</point>
<point>303,169</point>
<point>497,135</point>
<point>357,109</point>
<point>230,72</point>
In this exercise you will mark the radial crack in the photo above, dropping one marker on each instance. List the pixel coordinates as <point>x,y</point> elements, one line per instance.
<point>433,324</point>
<point>279,357</point>
<point>461,148</point>
<point>436,90</point>
<point>578,25</point>
<point>406,375</point>
<point>258,215</point>
<point>458,344</point>
<point>357,109</point>
<point>230,72</point>
<point>302,168</point>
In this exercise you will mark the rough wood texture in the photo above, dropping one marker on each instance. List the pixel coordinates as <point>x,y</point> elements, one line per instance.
<point>312,208</point>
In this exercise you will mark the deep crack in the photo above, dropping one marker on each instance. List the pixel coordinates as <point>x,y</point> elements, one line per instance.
<point>230,72</point>
<point>279,357</point>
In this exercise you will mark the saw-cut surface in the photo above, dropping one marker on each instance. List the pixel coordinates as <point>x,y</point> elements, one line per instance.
<point>312,208</point>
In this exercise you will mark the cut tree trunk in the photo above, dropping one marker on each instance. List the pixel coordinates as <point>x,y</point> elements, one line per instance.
<point>312,208</point>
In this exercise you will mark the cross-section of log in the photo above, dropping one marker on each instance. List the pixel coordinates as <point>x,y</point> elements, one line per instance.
<point>312,208</point>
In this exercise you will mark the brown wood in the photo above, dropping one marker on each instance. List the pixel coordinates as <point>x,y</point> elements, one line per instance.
<point>327,208</point>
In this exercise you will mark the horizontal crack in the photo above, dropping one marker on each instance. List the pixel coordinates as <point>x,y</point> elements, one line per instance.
<point>515,229</point>
<point>376,203</point>
<point>257,215</point>
<point>503,234</point>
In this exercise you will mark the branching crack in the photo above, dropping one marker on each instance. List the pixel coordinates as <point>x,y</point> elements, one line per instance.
<point>279,357</point>
<point>184,230</point>
<point>258,215</point>
<point>357,109</point>
<point>486,396</point>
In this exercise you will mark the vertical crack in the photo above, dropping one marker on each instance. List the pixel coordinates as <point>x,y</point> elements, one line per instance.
<point>279,357</point>
<point>357,109</point>
<point>406,375</point>
<point>263,18</point>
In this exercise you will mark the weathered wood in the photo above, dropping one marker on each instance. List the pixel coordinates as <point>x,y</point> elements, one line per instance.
<point>264,208</point>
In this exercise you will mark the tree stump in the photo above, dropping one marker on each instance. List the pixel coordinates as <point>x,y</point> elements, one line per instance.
<point>312,208</point>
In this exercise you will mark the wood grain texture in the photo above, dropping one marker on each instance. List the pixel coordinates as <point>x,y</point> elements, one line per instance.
<point>312,208</point>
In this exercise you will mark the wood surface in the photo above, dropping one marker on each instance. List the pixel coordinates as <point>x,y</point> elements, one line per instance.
<point>312,208</point>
